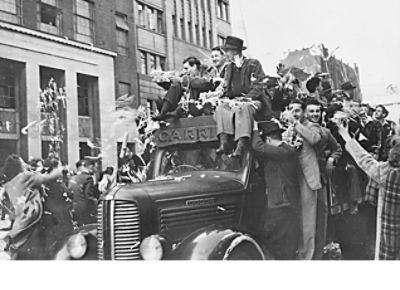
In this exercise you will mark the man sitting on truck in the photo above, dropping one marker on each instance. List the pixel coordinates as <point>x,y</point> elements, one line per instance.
<point>243,84</point>
<point>193,81</point>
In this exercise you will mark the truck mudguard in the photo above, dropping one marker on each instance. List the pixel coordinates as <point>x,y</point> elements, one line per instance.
<point>217,243</point>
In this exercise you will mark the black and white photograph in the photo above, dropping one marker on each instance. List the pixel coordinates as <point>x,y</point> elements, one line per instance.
<point>199,130</point>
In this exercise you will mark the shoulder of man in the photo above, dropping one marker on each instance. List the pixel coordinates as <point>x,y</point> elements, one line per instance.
<point>287,147</point>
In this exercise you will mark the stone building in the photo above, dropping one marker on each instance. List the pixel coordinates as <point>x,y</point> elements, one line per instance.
<point>99,50</point>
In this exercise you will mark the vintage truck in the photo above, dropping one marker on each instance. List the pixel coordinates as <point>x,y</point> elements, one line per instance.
<point>196,205</point>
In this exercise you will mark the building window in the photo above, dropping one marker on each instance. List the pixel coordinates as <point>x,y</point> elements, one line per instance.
<point>150,61</point>
<point>124,89</point>
<point>49,16</point>
<point>84,150</point>
<point>7,88</point>
<point>142,14</point>
<point>122,34</point>
<point>143,63</point>
<point>204,33</point>
<point>223,10</point>
<point>10,11</point>
<point>210,39</point>
<point>175,24</point>
<point>150,18</point>
<point>190,31</point>
<point>221,40</point>
<point>160,22</point>
<point>160,63</point>
<point>197,32</point>
<point>83,96</point>
<point>183,32</point>
<point>84,24</point>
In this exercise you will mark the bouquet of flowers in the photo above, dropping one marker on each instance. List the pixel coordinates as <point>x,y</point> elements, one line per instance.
<point>290,136</point>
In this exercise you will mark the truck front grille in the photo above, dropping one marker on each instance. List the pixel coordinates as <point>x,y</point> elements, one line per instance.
<point>126,231</point>
<point>100,241</point>
<point>186,218</point>
<point>124,235</point>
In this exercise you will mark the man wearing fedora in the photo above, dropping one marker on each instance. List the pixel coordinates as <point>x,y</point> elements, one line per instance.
<point>347,89</point>
<point>243,78</point>
<point>280,228</point>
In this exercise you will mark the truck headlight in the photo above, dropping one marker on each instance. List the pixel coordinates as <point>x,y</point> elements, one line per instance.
<point>152,248</point>
<point>77,246</point>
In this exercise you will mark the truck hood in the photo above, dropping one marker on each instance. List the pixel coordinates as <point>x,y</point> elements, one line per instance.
<point>189,184</point>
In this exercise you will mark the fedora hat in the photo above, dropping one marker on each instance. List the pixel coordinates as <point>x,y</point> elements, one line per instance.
<point>268,127</point>
<point>233,42</point>
<point>347,86</point>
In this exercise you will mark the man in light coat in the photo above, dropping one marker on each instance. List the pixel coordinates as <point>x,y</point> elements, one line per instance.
<point>309,177</point>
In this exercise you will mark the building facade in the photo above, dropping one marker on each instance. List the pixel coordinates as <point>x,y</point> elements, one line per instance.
<point>99,50</point>
<point>168,31</point>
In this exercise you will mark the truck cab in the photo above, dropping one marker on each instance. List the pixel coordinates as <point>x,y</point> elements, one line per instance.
<point>195,205</point>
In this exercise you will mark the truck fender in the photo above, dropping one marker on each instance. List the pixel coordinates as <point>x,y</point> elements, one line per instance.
<point>217,243</point>
<point>90,233</point>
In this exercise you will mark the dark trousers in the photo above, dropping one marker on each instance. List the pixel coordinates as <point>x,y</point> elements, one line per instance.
<point>84,212</point>
<point>321,223</point>
<point>173,97</point>
<point>280,232</point>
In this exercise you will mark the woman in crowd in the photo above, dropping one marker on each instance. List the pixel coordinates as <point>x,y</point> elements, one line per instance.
<point>387,176</point>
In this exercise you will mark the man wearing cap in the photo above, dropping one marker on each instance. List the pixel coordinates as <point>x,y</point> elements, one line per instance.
<point>280,227</point>
<point>243,78</point>
<point>84,193</point>
<point>348,95</point>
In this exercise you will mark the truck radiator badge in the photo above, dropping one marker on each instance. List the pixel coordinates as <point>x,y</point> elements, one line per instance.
<point>202,201</point>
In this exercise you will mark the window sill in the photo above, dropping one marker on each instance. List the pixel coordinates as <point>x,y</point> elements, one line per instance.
<point>50,29</point>
<point>126,55</point>
<point>224,20</point>
<point>191,43</point>
<point>14,110</point>
<point>151,30</point>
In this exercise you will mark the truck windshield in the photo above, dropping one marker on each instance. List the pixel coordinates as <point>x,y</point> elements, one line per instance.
<point>177,159</point>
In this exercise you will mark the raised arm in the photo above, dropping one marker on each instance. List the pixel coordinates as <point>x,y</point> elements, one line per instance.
<point>373,168</point>
<point>268,151</point>
<point>312,133</point>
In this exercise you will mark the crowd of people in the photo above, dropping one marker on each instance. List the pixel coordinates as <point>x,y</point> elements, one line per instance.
<point>321,153</point>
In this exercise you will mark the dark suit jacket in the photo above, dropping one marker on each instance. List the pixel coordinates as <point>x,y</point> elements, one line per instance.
<point>281,169</point>
<point>252,89</point>
<point>83,190</point>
